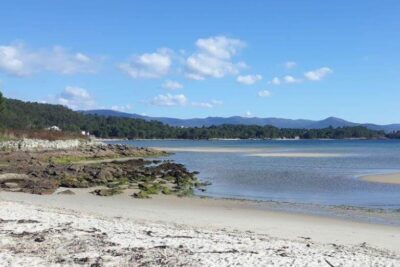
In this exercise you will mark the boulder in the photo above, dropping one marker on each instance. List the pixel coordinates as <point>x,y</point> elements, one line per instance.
<point>66,192</point>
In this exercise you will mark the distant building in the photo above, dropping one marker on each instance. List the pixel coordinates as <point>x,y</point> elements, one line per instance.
<point>53,128</point>
<point>85,133</point>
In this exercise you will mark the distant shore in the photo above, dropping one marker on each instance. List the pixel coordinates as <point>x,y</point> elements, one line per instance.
<point>234,139</point>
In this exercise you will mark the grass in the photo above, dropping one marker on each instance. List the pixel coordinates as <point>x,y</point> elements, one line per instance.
<point>68,159</point>
<point>7,135</point>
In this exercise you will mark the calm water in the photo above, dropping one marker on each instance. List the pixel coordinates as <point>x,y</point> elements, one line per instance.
<point>318,180</point>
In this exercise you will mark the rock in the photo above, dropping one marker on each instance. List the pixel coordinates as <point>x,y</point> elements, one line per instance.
<point>104,175</point>
<point>39,186</point>
<point>66,192</point>
<point>13,176</point>
<point>107,192</point>
<point>11,185</point>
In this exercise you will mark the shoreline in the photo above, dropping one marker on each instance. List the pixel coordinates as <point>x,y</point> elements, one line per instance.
<point>247,139</point>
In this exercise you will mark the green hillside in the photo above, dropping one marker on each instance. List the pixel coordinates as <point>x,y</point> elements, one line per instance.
<point>19,115</point>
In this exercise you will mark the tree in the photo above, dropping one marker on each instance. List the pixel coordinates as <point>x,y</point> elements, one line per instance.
<point>1,102</point>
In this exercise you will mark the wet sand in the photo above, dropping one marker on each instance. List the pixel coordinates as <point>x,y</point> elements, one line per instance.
<point>390,178</point>
<point>297,155</point>
<point>256,152</point>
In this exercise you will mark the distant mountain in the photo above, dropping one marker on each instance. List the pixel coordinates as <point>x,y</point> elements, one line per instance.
<point>277,122</point>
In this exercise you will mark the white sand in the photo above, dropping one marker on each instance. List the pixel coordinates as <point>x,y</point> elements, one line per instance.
<point>189,231</point>
<point>390,178</point>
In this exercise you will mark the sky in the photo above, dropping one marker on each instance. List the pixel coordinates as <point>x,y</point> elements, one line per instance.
<point>184,59</point>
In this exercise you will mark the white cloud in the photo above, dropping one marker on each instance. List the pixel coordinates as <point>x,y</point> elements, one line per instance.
<point>61,61</point>
<point>122,108</point>
<point>172,85</point>
<point>210,104</point>
<point>75,98</point>
<point>290,79</point>
<point>290,64</point>
<point>193,76</point>
<point>20,61</point>
<point>249,79</point>
<point>286,79</point>
<point>248,114</point>
<point>264,93</point>
<point>82,57</point>
<point>275,81</point>
<point>220,46</point>
<point>169,100</point>
<point>318,74</point>
<point>213,58</point>
<point>11,61</point>
<point>149,65</point>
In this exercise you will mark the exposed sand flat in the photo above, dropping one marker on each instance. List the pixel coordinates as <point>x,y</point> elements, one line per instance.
<point>255,152</point>
<point>297,155</point>
<point>390,178</point>
<point>212,149</point>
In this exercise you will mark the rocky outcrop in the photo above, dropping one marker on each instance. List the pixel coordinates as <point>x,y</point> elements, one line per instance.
<point>116,167</point>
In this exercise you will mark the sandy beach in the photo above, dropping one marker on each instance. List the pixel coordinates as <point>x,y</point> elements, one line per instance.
<point>187,231</point>
<point>390,178</point>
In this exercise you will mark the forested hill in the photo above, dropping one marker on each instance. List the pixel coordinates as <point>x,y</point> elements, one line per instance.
<point>21,115</point>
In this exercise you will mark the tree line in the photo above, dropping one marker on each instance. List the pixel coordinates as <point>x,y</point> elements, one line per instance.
<point>19,115</point>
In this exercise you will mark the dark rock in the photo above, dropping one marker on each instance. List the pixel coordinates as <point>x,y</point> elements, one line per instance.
<point>66,192</point>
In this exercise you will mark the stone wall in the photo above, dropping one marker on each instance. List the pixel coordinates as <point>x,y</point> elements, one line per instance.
<point>37,145</point>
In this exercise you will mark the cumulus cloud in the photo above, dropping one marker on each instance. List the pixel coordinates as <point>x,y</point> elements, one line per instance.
<point>169,100</point>
<point>122,108</point>
<point>318,74</point>
<point>149,65</point>
<point>172,85</point>
<point>286,79</point>
<point>12,61</point>
<point>290,64</point>
<point>19,60</point>
<point>275,81</point>
<point>264,93</point>
<point>75,98</point>
<point>214,58</point>
<point>249,79</point>
<point>290,79</point>
<point>210,104</point>
<point>220,46</point>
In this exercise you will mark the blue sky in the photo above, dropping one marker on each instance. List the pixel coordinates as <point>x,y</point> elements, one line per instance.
<point>291,59</point>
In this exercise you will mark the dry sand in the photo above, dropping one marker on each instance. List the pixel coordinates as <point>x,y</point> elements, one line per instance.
<point>187,231</point>
<point>390,178</point>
